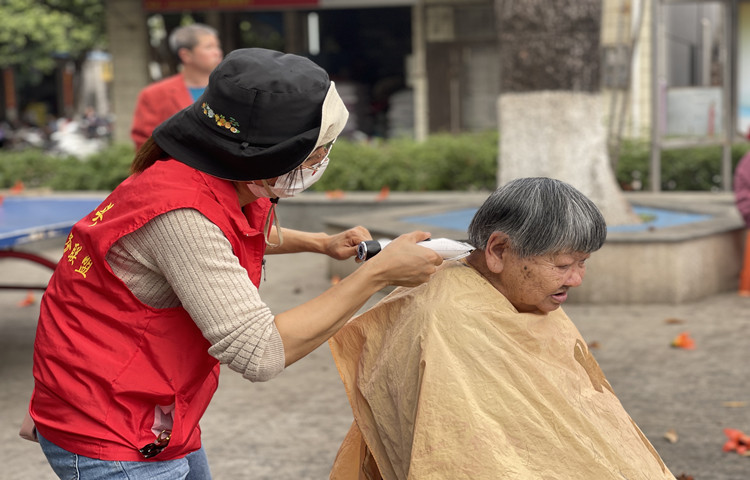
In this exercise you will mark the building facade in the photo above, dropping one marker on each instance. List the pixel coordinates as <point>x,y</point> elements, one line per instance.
<point>416,67</point>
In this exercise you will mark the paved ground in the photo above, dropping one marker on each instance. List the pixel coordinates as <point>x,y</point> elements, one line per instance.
<point>291,427</point>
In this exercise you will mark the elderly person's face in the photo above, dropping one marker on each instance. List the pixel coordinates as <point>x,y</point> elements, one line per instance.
<point>533,284</point>
<point>540,284</point>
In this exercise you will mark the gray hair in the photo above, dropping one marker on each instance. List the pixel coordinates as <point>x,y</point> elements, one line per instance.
<point>188,35</point>
<point>540,216</point>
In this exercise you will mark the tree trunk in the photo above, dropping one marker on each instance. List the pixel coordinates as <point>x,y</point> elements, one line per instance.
<point>551,116</point>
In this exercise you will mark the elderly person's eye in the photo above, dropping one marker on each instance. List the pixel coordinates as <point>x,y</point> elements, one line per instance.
<point>565,262</point>
<point>568,265</point>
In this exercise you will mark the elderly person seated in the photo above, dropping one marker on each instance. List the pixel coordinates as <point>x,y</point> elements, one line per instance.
<point>479,374</point>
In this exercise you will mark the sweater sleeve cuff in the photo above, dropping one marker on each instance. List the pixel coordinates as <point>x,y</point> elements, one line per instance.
<point>273,361</point>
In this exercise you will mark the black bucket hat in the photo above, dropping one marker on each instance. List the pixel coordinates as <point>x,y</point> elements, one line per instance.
<point>261,115</point>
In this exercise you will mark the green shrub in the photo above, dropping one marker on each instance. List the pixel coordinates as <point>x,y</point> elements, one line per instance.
<point>37,169</point>
<point>442,162</point>
<point>686,169</point>
<point>32,167</point>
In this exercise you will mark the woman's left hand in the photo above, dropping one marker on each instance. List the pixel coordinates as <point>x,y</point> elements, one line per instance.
<point>344,245</point>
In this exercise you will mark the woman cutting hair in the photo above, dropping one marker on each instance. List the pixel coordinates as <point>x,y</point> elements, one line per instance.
<point>159,285</point>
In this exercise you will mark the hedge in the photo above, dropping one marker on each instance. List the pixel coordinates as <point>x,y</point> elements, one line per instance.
<point>442,162</point>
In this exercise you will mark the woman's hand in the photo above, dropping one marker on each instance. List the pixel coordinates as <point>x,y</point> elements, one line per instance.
<point>339,246</point>
<point>404,263</point>
<point>344,245</point>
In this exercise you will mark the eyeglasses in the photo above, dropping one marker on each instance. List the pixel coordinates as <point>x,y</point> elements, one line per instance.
<point>319,157</point>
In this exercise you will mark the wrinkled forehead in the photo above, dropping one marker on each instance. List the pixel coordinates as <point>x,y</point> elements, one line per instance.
<point>556,256</point>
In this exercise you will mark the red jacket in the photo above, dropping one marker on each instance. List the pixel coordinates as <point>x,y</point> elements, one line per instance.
<point>742,188</point>
<point>156,103</point>
<point>103,361</point>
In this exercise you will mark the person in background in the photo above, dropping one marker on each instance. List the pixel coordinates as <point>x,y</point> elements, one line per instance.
<point>479,374</point>
<point>159,285</point>
<point>198,50</point>
<point>742,200</point>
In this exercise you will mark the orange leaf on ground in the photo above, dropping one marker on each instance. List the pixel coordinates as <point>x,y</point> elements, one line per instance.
<point>683,340</point>
<point>674,321</point>
<point>28,300</point>
<point>383,194</point>
<point>17,187</point>
<point>737,441</point>
<point>334,194</point>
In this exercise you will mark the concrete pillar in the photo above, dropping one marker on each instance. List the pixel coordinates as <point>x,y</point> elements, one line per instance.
<point>128,43</point>
<point>11,99</point>
<point>418,74</point>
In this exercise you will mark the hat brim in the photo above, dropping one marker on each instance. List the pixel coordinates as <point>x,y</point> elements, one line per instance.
<point>226,158</point>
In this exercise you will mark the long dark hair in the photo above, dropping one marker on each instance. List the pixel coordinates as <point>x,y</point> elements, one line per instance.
<point>147,155</point>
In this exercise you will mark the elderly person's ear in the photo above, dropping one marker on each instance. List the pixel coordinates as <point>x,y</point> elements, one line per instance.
<point>496,251</point>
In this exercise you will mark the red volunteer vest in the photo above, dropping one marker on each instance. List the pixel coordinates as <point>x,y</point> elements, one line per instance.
<point>103,361</point>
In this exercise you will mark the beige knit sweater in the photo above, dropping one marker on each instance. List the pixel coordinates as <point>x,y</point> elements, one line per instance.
<point>181,258</point>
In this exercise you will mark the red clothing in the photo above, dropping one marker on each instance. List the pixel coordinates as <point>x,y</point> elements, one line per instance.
<point>742,187</point>
<point>744,288</point>
<point>103,361</point>
<point>156,103</point>
<point>742,200</point>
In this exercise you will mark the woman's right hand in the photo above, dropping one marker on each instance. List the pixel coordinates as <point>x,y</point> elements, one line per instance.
<point>404,263</point>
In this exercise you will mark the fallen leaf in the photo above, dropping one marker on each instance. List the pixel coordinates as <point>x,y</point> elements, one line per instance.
<point>737,441</point>
<point>17,187</point>
<point>594,344</point>
<point>674,321</point>
<point>334,194</point>
<point>684,476</point>
<point>383,194</point>
<point>28,300</point>
<point>671,436</point>
<point>683,341</point>
<point>734,404</point>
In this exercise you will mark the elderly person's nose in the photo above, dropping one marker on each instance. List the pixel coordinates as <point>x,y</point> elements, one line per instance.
<point>575,275</point>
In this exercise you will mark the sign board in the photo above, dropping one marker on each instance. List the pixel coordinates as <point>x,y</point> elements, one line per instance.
<point>694,111</point>
<point>743,69</point>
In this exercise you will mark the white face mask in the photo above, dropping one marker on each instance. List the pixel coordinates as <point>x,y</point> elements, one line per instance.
<point>289,184</point>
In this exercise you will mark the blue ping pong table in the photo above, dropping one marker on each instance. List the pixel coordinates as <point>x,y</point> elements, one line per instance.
<point>26,219</point>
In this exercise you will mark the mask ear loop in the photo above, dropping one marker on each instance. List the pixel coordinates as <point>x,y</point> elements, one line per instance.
<point>267,226</point>
<point>272,212</point>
